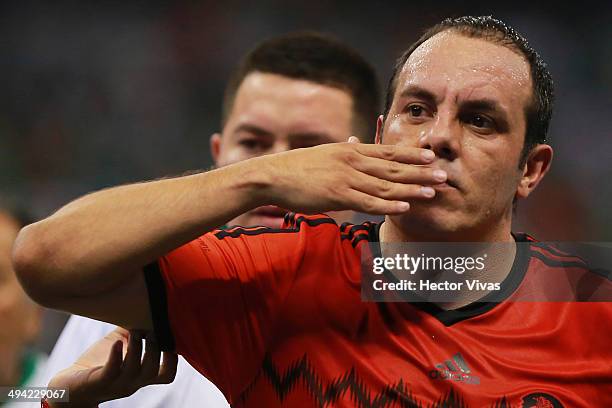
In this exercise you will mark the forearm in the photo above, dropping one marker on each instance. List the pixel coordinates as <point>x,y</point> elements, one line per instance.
<point>93,243</point>
<point>97,245</point>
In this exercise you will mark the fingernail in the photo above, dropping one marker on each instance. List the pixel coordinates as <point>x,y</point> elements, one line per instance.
<point>428,191</point>
<point>428,155</point>
<point>403,206</point>
<point>439,175</point>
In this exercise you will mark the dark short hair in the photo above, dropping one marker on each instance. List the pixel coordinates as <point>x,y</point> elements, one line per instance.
<point>538,112</point>
<point>318,58</point>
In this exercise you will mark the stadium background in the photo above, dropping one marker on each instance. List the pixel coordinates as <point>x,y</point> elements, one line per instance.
<point>98,95</point>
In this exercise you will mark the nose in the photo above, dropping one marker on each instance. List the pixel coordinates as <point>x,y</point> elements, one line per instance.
<point>443,137</point>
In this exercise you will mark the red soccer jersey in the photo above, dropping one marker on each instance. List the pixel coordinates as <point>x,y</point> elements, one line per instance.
<point>274,317</point>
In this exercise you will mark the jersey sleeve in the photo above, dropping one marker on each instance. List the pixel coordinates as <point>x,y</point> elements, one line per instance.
<point>215,300</point>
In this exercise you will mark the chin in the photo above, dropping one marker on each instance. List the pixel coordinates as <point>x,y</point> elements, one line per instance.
<point>432,223</point>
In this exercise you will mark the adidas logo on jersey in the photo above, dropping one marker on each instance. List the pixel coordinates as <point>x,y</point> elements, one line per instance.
<point>454,369</point>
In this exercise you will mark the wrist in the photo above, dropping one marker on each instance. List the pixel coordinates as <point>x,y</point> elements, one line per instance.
<point>257,181</point>
<point>77,397</point>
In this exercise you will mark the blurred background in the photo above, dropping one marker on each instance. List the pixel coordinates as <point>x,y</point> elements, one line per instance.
<point>98,95</point>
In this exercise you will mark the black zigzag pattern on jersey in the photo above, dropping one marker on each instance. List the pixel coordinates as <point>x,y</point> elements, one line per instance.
<point>502,403</point>
<point>235,232</point>
<point>301,373</point>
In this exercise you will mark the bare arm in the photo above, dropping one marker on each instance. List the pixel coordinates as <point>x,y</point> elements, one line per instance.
<point>94,246</point>
<point>87,258</point>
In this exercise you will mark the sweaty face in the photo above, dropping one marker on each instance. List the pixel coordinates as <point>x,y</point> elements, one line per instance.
<point>272,114</point>
<point>464,98</point>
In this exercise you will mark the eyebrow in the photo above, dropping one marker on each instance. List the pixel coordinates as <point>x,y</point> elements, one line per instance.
<point>420,93</point>
<point>256,130</point>
<point>323,137</point>
<point>485,105</point>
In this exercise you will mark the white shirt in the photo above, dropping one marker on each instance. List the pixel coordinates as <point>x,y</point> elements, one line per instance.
<point>189,389</point>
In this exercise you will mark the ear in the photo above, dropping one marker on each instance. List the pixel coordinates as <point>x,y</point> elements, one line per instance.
<point>215,147</point>
<point>380,122</point>
<point>537,165</point>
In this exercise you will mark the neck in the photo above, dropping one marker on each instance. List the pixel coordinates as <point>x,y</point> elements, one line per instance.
<point>499,262</point>
<point>392,230</point>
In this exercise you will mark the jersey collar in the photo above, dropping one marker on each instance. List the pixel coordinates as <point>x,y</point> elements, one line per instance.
<point>507,287</point>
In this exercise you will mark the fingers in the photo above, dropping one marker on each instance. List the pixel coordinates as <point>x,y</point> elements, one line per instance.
<point>389,190</point>
<point>369,204</point>
<point>402,154</point>
<point>399,172</point>
<point>137,372</point>
<point>168,369</point>
<point>119,334</point>
<point>112,367</point>
<point>121,376</point>
<point>150,360</point>
<point>132,361</point>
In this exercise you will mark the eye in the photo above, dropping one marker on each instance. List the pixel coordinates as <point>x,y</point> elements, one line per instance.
<point>416,110</point>
<point>480,121</point>
<point>249,143</point>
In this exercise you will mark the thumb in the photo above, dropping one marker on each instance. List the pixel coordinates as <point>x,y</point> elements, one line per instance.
<point>112,368</point>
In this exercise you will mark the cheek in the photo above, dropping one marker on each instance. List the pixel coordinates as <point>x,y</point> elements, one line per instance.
<point>232,154</point>
<point>396,131</point>
<point>394,126</point>
<point>494,180</point>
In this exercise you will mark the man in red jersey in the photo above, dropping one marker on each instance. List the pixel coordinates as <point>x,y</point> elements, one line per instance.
<point>274,317</point>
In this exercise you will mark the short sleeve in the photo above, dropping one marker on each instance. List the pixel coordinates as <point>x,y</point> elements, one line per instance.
<point>216,299</point>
